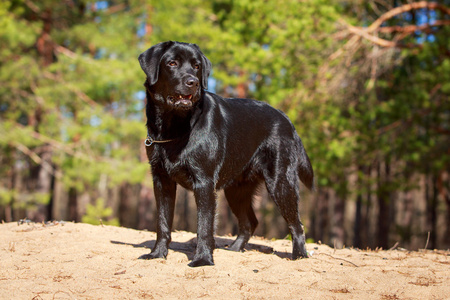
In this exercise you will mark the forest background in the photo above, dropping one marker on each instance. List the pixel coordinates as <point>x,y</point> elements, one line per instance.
<point>366,84</point>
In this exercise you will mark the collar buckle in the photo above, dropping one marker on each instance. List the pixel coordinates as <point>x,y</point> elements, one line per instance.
<point>148,141</point>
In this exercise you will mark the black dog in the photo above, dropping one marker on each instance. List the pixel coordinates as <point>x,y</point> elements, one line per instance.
<point>205,143</point>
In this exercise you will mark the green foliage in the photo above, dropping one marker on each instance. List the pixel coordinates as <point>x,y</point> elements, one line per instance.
<point>99,214</point>
<point>26,201</point>
<point>310,241</point>
<point>364,107</point>
<point>6,196</point>
<point>81,102</point>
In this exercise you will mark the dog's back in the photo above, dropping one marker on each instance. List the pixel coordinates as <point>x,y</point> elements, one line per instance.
<point>253,133</point>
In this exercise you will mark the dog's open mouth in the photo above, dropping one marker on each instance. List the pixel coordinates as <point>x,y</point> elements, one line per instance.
<point>181,100</point>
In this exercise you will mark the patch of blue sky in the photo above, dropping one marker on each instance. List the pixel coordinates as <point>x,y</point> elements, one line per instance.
<point>140,95</point>
<point>101,5</point>
<point>100,53</point>
<point>139,104</point>
<point>141,31</point>
<point>95,121</point>
<point>212,83</point>
<point>252,87</point>
<point>424,16</point>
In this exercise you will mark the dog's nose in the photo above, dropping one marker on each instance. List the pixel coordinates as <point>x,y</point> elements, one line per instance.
<point>192,81</point>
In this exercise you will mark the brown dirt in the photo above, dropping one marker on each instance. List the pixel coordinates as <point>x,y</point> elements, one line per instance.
<point>81,261</point>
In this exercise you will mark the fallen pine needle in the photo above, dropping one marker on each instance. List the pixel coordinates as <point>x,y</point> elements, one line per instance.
<point>339,259</point>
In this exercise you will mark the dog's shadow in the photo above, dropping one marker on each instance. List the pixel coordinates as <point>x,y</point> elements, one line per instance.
<point>188,248</point>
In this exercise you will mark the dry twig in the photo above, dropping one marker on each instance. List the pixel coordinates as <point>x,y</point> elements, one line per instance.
<point>340,259</point>
<point>428,239</point>
<point>394,247</point>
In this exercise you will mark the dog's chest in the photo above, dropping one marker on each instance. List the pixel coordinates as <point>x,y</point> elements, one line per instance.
<point>181,174</point>
<point>176,165</point>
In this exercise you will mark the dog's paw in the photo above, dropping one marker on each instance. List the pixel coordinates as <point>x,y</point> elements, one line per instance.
<point>201,262</point>
<point>235,248</point>
<point>152,255</point>
<point>238,245</point>
<point>299,254</point>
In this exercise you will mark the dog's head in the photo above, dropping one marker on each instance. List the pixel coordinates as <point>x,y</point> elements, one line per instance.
<point>176,73</point>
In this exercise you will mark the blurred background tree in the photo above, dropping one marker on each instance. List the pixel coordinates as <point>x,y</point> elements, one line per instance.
<point>365,82</point>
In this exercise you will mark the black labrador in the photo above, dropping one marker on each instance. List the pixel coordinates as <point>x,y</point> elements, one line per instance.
<point>205,143</point>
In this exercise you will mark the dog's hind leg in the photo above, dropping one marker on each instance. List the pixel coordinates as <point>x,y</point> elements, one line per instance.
<point>239,197</point>
<point>284,191</point>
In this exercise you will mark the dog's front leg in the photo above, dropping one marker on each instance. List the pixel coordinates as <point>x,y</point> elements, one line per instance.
<point>205,199</point>
<point>165,192</point>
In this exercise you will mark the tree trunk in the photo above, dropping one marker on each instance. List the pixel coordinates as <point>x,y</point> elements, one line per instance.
<point>44,182</point>
<point>357,225</point>
<point>383,206</point>
<point>59,198</point>
<point>446,196</point>
<point>181,220</point>
<point>241,88</point>
<point>338,227</point>
<point>407,217</point>
<point>431,198</point>
<point>127,210</point>
<point>357,228</point>
<point>146,209</point>
<point>44,44</point>
<point>367,236</point>
<point>43,177</point>
<point>8,211</point>
<point>73,205</point>
<point>321,229</point>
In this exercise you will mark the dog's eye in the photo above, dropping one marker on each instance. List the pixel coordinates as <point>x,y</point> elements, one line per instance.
<point>172,63</point>
<point>197,67</point>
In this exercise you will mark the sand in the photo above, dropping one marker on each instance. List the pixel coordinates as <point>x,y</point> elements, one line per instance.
<point>64,260</point>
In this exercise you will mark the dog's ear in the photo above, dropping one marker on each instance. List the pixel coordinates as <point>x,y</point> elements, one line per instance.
<point>150,60</point>
<point>206,68</point>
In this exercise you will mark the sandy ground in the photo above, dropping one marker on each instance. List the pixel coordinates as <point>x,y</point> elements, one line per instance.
<point>81,261</point>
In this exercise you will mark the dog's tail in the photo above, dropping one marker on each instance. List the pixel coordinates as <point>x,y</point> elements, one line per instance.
<point>305,170</point>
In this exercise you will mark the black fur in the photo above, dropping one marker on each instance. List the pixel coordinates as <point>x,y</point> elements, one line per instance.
<point>216,143</point>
